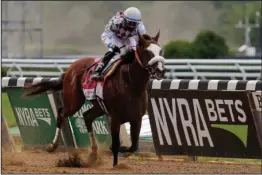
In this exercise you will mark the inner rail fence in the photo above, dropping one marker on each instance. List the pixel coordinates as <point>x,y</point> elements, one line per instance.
<point>204,69</point>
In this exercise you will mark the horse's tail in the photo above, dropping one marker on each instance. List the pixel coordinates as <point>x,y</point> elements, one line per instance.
<point>44,86</point>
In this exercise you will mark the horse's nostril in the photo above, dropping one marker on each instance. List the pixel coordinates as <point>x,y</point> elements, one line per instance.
<point>160,71</point>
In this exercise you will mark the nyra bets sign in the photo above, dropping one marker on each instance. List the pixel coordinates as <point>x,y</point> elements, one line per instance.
<point>206,123</point>
<point>34,117</point>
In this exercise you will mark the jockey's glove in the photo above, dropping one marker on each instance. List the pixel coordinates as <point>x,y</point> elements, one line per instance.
<point>115,49</point>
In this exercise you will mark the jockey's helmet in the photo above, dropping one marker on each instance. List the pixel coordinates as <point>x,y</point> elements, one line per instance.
<point>132,17</point>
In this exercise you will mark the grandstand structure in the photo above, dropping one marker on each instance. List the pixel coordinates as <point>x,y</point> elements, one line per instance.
<point>22,23</point>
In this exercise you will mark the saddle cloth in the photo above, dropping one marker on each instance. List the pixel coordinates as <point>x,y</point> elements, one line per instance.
<point>93,89</point>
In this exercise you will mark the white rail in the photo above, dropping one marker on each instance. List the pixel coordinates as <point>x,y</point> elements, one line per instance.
<point>176,68</point>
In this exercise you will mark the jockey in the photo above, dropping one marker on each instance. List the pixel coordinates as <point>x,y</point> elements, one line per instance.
<point>121,30</point>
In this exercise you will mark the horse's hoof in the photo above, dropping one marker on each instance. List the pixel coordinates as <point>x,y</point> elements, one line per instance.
<point>51,148</point>
<point>127,155</point>
<point>114,165</point>
<point>124,149</point>
<point>92,158</point>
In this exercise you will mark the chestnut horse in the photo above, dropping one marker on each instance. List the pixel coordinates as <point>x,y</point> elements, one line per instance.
<point>125,93</point>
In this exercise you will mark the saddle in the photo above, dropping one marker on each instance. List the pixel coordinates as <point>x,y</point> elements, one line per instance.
<point>93,89</point>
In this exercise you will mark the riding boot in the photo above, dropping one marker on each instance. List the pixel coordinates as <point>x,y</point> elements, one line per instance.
<point>99,69</point>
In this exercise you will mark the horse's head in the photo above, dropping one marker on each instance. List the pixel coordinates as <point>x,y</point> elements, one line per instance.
<point>149,56</point>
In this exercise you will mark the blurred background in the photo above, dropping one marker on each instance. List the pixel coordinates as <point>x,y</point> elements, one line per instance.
<point>37,29</point>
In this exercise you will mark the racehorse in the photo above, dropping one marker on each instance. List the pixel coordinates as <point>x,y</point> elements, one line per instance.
<point>124,91</point>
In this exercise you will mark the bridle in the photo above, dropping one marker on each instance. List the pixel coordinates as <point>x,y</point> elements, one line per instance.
<point>148,67</point>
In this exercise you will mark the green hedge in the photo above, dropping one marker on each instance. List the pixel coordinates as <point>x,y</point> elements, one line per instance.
<point>3,71</point>
<point>178,49</point>
<point>207,44</point>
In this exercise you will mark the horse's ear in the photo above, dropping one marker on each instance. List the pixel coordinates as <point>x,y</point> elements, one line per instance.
<point>142,40</point>
<point>157,36</point>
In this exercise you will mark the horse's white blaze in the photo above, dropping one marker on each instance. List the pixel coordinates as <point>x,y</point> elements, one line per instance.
<point>93,141</point>
<point>155,49</point>
<point>57,134</point>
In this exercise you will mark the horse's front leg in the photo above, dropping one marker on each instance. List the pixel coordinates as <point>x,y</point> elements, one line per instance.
<point>115,131</point>
<point>134,131</point>
<point>89,117</point>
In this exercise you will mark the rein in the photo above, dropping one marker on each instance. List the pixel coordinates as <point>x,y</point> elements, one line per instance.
<point>140,63</point>
<point>138,59</point>
<point>129,75</point>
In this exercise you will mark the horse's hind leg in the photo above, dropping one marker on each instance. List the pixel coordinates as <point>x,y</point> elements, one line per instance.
<point>62,114</point>
<point>134,131</point>
<point>72,102</point>
<point>89,117</point>
<point>52,147</point>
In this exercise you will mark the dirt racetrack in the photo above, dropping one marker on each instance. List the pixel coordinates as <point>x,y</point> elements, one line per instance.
<point>43,162</point>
